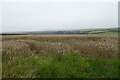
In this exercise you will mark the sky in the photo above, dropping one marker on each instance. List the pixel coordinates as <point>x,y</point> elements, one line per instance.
<point>42,15</point>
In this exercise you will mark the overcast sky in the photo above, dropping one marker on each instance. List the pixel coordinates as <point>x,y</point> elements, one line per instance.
<point>46,15</point>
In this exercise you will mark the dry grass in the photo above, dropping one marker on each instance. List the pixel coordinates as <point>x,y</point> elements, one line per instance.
<point>60,44</point>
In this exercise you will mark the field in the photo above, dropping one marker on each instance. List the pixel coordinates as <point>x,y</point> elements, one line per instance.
<point>60,56</point>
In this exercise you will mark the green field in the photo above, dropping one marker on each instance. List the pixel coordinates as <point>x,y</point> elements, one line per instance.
<point>71,65</point>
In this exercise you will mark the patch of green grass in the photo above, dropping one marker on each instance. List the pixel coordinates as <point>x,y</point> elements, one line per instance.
<point>111,33</point>
<point>69,65</point>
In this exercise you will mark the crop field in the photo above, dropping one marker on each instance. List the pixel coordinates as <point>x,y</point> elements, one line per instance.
<point>59,56</point>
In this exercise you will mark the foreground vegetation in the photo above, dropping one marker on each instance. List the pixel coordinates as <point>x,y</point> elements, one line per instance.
<point>60,56</point>
<point>70,65</point>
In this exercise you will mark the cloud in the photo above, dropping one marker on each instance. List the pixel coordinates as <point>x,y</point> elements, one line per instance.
<point>52,16</point>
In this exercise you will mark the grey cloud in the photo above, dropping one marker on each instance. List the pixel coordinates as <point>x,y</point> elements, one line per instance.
<point>58,16</point>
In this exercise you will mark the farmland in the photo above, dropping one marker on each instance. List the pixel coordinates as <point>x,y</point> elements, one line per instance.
<point>60,56</point>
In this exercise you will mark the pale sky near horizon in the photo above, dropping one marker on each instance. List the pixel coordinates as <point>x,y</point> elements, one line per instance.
<point>45,15</point>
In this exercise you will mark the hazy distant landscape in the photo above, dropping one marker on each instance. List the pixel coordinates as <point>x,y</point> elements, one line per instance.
<point>111,31</point>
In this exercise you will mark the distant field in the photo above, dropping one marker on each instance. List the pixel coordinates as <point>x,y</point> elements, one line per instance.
<point>97,31</point>
<point>60,56</point>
